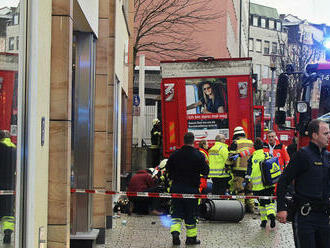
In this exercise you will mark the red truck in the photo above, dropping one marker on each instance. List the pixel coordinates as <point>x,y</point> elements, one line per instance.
<point>207,96</point>
<point>313,102</point>
<point>8,93</point>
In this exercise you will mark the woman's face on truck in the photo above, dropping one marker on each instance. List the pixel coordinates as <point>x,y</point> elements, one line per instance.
<point>207,89</point>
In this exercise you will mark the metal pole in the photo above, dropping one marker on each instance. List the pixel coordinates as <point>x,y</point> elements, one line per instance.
<point>142,101</point>
<point>272,98</point>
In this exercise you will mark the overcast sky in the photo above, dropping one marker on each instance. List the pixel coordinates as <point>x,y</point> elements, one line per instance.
<point>316,11</point>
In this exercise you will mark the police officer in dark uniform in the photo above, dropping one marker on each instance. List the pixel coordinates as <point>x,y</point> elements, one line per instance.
<point>184,168</point>
<point>309,169</point>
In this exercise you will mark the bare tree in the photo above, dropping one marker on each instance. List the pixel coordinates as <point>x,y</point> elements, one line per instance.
<point>163,27</point>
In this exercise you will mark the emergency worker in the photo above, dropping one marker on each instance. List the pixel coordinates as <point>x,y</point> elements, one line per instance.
<point>238,166</point>
<point>309,169</point>
<point>184,167</point>
<point>203,148</point>
<point>218,155</point>
<point>266,207</point>
<point>7,182</point>
<point>6,139</point>
<point>156,139</point>
<point>275,148</point>
<point>143,181</point>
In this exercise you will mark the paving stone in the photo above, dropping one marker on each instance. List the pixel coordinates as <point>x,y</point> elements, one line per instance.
<point>139,232</point>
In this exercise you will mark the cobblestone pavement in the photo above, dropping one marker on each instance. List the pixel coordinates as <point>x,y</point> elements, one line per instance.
<point>151,231</point>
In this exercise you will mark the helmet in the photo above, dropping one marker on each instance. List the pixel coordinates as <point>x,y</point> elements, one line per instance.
<point>162,164</point>
<point>155,121</point>
<point>239,130</point>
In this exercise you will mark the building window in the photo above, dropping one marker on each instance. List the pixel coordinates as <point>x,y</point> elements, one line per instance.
<point>266,47</point>
<point>282,46</point>
<point>258,46</point>
<point>271,24</point>
<point>274,47</point>
<point>265,72</point>
<point>258,71</point>
<point>255,21</point>
<point>278,26</point>
<point>251,48</point>
<point>11,45</point>
<point>15,19</point>
<point>263,22</point>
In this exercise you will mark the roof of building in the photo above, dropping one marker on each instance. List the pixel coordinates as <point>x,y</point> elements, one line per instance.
<point>260,10</point>
<point>5,12</point>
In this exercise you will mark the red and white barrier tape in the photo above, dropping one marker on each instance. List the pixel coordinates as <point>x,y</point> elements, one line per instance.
<point>158,195</point>
<point>7,192</point>
<point>169,195</point>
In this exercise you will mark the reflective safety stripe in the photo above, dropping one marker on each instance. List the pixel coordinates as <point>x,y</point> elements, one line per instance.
<point>218,173</point>
<point>176,225</point>
<point>270,209</point>
<point>263,213</point>
<point>191,230</point>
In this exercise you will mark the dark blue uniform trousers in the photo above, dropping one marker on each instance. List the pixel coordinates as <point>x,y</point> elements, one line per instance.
<point>311,231</point>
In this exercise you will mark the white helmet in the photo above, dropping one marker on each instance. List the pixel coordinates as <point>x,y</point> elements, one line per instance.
<point>155,121</point>
<point>162,164</point>
<point>239,130</point>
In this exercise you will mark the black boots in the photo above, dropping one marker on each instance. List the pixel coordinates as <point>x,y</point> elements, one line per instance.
<point>7,237</point>
<point>192,241</point>
<point>176,238</point>
<point>263,223</point>
<point>272,221</point>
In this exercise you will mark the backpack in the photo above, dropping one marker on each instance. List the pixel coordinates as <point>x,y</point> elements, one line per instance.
<point>270,170</point>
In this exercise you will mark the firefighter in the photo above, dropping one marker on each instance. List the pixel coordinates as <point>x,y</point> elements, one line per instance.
<point>7,182</point>
<point>156,138</point>
<point>238,166</point>
<point>6,139</point>
<point>184,167</point>
<point>276,149</point>
<point>203,148</point>
<point>266,207</point>
<point>309,169</point>
<point>218,155</point>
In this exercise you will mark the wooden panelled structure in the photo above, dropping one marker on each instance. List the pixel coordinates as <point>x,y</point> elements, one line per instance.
<point>60,124</point>
<point>60,157</point>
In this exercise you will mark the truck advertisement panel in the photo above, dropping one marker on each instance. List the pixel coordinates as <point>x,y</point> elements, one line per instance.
<point>207,99</point>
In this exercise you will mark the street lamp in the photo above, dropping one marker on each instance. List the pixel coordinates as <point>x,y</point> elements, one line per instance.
<point>272,89</point>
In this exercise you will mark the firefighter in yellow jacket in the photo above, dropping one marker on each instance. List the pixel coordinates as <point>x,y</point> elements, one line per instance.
<point>7,182</point>
<point>267,206</point>
<point>238,166</point>
<point>218,155</point>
